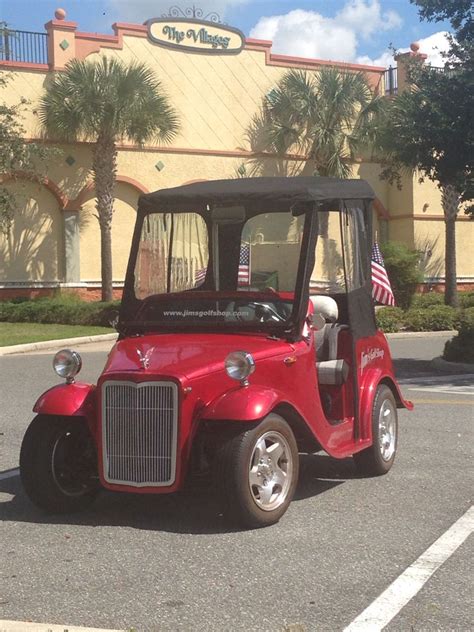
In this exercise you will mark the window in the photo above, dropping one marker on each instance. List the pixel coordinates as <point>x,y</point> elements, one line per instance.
<point>328,272</point>
<point>173,254</point>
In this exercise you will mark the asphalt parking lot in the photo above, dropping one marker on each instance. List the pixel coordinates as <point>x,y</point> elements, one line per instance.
<point>172,563</point>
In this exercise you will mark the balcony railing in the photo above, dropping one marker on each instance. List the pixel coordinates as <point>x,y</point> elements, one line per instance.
<point>391,81</point>
<point>25,46</point>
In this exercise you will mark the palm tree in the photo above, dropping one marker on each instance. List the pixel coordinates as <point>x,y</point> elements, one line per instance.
<point>325,117</point>
<point>105,101</point>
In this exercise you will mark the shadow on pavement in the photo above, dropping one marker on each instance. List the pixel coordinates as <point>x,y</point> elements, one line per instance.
<point>193,511</point>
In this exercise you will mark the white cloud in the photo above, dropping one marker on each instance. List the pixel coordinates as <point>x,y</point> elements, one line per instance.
<point>138,11</point>
<point>307,34</point>
<point>366,17</point>
<point>433,46</point>
<point>310,34</point>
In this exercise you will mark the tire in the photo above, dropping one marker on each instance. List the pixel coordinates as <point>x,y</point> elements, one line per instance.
<point>379,458</point>
<point>257,472</point>
<point>58,464</point>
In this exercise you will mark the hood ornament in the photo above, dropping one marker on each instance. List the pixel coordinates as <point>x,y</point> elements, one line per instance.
<point>145,359</point>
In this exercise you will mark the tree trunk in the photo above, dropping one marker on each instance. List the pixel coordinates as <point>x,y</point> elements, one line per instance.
<point>104,168</point>
<point>450,202</point>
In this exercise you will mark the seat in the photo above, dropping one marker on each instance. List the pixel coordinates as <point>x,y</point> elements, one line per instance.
<point>331,369</point>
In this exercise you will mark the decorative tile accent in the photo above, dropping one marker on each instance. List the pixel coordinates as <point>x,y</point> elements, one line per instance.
<point>64,44</point>
<point>160,165</point>
<point>70,160</point>
<point>242,170</point>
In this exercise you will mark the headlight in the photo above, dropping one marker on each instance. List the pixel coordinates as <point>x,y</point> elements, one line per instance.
<point>239,365</point>
<point>67,363</point>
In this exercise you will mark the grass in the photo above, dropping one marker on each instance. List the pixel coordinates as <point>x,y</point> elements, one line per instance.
<point>20,333</point>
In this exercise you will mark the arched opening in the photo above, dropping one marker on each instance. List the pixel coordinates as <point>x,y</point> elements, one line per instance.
<point>34,248</point>
<point>127,192</point>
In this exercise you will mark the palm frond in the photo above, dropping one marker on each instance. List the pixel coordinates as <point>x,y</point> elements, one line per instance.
<point>107,98</point>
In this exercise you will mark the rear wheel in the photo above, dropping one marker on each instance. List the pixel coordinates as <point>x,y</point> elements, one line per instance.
<point>379,458</point>
<point>257,472</point>
<point>58,464</point>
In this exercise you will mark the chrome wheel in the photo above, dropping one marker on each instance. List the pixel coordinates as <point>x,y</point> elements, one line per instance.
<point>387,430</point>
<point>270,471</point>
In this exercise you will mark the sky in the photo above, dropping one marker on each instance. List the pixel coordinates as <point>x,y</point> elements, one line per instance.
<point>360,31</point>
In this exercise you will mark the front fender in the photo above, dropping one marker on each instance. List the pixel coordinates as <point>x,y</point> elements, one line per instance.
<point>69,400</point>
<point>244,403</point>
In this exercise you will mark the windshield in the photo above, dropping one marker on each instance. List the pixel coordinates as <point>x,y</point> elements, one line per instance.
<point>219,267</point>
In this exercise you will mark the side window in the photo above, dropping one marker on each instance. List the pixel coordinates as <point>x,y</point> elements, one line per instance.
<point>355,247</point>
<point>328,272</point>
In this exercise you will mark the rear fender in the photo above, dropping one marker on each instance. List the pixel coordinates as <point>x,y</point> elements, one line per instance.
<point>68,400</point>
<point>369,387</point>
<point>244,403</point>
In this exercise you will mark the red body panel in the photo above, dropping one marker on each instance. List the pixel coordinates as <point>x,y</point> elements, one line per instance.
<point>285,373</point>
<point>69,400</point>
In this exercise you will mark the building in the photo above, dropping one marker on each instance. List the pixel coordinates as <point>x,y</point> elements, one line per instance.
<point>215,78</point>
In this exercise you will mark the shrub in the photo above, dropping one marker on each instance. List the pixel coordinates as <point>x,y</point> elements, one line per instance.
<point>461,347</point>
<point>421,301</point>
<point>403,269</point>
<point>389,319</point>
<point>66,310</point>
<point>439,318</point>
<point>466,299</point>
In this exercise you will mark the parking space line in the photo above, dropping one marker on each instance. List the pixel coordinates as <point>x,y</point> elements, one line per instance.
<point>448,391</point>
<point>381,611</point>
<point>9,473</point>
<point>24,626</point>
<point>458,402</point>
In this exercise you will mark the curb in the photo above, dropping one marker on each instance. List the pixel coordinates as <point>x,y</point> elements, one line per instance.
<point>421,334</point>
<point>452,367</point>
<point>81,340</point>
<point>48,344</point>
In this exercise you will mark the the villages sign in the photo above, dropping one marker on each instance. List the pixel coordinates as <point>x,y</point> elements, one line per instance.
<point>195,36</point>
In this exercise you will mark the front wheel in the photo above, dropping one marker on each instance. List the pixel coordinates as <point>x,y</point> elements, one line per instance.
<point>379,458</point>
<point>58,464</point>
<point>257,472</point>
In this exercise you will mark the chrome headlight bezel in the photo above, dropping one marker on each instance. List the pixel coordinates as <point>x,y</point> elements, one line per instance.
<point>67,364</point>
<point>239,365</point>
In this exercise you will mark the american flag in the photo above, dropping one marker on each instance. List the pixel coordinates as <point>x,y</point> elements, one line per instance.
<point>381,288</point>
<point>200,276</point>
<point>244,265</point>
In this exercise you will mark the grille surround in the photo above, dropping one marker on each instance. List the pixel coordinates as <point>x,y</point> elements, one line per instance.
<point>129,432</point>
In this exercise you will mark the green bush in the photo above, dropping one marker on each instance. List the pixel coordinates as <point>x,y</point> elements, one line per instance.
<point>461,347</point>
<point>466,299</point>
<point>403,269</point>
<point>389,319</point>
<point>422,301</point>
<point>439,318</point>
<point>66,310</point>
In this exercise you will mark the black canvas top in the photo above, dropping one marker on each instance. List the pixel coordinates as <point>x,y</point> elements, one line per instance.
<point>262,190</point>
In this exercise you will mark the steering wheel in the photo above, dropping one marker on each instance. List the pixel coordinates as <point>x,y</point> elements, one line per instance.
<point>264,312</point>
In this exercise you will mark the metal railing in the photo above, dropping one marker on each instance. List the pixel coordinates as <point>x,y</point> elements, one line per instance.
<point>25,46</point>
<point>391,81</point>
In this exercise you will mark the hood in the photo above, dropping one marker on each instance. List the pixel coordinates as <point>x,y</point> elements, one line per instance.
<point>187,356</point>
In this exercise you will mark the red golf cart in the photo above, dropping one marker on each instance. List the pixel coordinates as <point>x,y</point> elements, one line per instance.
<point>246,335</point>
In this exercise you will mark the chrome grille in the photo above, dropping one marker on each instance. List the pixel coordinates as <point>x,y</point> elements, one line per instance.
<point>139,432</point>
